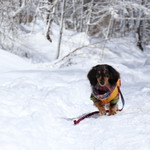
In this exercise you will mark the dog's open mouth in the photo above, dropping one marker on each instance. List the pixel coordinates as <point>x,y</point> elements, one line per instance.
<point>103,90</point>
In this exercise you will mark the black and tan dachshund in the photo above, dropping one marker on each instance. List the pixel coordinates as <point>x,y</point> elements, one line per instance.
<point>104,80</point>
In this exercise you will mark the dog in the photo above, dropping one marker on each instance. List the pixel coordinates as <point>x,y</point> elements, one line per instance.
<point>104,80</point>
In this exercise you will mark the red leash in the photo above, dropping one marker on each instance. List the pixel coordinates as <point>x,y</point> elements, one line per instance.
<point>88,115</point>
<point>96,112</point>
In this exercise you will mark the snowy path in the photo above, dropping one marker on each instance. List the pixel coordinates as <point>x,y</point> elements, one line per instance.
<point>36,105</point>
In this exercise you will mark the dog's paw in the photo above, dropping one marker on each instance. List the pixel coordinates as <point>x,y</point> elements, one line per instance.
<point>102,112</point>
<point>113,110</point>
<point>112,113</point>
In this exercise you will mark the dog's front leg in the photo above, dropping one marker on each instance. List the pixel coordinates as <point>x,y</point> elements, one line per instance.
<point>101,108</point>
<point>113,109</point>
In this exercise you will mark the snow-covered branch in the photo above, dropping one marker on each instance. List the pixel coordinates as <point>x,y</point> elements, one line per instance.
<point>14,14</point>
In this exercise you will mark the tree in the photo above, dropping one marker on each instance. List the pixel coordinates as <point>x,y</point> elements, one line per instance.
<point>12,14</point>
<point>61,29</point>
<point>99,18</point>
<point>48,8</point>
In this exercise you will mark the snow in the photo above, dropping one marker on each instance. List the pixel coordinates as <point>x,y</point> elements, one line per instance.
<point>40,98</point>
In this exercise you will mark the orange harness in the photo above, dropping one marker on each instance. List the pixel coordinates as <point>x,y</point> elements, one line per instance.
<point>114,93</point>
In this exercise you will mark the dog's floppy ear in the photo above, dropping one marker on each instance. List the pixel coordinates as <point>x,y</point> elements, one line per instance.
<point>114,75</point>
<point>92,76</point>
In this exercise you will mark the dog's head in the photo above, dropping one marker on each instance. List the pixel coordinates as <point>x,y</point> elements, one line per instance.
<point>103,75</point>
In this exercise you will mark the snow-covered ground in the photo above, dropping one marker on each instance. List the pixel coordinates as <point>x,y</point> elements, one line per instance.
<point>39,100</point>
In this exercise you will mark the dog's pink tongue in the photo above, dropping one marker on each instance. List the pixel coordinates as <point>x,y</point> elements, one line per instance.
<point>103,89</point>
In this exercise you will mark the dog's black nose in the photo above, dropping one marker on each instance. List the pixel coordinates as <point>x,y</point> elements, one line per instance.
<point>102,82</point>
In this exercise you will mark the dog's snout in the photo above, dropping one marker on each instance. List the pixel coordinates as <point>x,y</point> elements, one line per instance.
<point>102,82</point>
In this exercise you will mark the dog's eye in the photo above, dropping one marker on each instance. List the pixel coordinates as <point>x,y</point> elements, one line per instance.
<point>98,75</point>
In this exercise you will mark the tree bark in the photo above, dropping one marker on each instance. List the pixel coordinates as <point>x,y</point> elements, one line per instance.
<point>61,29</point>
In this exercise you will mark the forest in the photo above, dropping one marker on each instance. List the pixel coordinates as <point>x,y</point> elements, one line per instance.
<point>104,19</point>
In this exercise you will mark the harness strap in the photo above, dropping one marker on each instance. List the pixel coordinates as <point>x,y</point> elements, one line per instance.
<point>114,93</point>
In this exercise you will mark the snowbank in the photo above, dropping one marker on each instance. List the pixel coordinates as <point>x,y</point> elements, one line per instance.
<point>37,104</point>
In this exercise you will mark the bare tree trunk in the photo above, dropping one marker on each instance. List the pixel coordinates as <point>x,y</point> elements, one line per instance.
<point>82,14</point>
<point>47,32</point>
<point>35,17</point>
<point>109,28</point>
<point>74,16</point>
<point>49,19</point>
<point>90,16</point>
<point>140,29</point>
<point>140,36</point>
<point>20,15</point>
<point>61,29</point>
